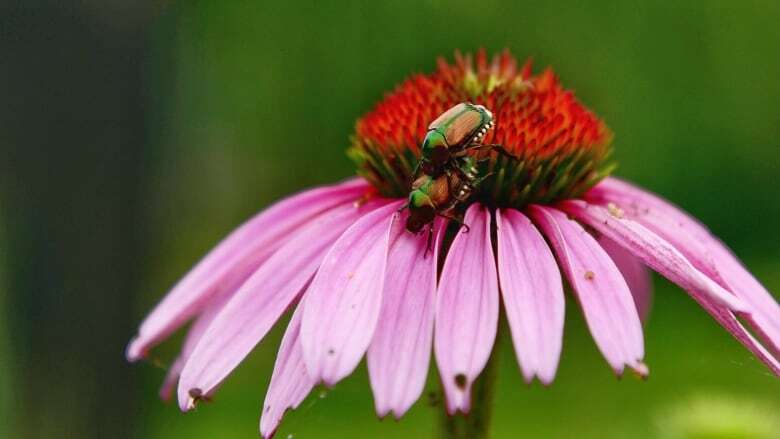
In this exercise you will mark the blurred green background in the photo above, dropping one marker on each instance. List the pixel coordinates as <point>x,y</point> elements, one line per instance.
<point>134,135</point>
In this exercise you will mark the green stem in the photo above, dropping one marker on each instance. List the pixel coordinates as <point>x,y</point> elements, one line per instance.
<point>475,425</point>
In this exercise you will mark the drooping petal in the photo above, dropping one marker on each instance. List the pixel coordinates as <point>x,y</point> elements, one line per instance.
<point>343,301</point>
<point>533,295</point>
<point>235,258</point>
<point>190,341</point>
<point>400,351</point>
<point>259,303</point>
<point>728,320</point>
<point>660,255</point>
<point>600,288</point>
<point>653,250</point>
<point>765,312</point>
<point>466,309</point>
<point>706,252</point>
<point>290,381</point>
<point>636,274</point>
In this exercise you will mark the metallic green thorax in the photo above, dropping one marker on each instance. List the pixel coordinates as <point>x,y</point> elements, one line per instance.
<point>421,195</point>
<point>434,144</point>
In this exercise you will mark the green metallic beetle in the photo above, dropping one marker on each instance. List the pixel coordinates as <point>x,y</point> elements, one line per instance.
<point>452,135</point>
<point>433,196</point>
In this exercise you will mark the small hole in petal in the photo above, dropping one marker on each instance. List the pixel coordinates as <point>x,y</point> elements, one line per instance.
<point>589,275</point>
<point>460,381</point>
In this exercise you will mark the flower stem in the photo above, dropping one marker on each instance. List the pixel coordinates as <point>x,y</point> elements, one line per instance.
<point>475,425</point>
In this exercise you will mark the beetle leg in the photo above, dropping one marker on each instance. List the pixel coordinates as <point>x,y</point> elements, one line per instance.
<point>456,219</point>
<point>493,147</point>
<point>468,175</point>
<point>430,241</point>
<point>462,198</point>
<point>402,208</point>
<point>501,150</point>
<point>416,168</point>
<point>479,180</point>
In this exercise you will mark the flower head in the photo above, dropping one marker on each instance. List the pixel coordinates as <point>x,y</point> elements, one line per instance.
<point>561,147</point>
<point>536,207</point>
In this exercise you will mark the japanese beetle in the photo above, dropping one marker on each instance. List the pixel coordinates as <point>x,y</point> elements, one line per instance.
<point>451,135</point>
<point>433,196</point>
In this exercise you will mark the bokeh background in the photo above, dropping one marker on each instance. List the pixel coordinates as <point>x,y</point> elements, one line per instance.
<point>134,135</point>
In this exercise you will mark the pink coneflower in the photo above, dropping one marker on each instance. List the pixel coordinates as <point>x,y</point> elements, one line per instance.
<point>362,285</point>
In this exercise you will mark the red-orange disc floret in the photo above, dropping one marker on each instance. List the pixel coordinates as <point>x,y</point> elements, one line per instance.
<point>535,117</point>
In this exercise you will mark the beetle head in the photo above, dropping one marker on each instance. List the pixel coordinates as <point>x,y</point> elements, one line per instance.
<point>419,217</point>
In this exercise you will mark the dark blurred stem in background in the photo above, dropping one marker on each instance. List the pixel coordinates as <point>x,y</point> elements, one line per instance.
<point>73,126</point>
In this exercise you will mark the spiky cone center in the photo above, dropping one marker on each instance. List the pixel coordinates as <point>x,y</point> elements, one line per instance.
<point>560,148</point>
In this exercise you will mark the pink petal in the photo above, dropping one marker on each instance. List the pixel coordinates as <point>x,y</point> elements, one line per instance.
<point>260,301</point>
<point>190,341</point>
<point>727,319</point>
<point>533,295</point>
<point>687,232</point>
<point>290,382</point>
<point>235,258</point>
<point>343,301</point>
<point>636,274</point>
<point>600,288</point>
<point>651,249</point>
<point>466,310</point>
<point>764,317</point>
<point>706,252</point>
<point>400,351</point>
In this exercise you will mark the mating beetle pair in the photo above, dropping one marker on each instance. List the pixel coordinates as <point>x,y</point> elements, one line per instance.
<point>446,175</point>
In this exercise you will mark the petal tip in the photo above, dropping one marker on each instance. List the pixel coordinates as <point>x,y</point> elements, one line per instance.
<point>641,369</point>
<point>546,378</point>
<point>528,377</point>
<point>459,396</point>
<point>165,394</point>
<point>189,400</point>
<point>382,412</point>
<point>135,350</point>
<point>267,432</point>
<point>329,379</point>
<point>727,299</point>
